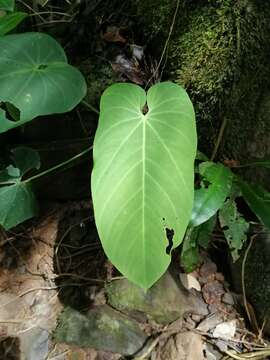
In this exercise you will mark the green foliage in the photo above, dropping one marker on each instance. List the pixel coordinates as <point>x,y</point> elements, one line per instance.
<point>8,22</point>
<point>17,201</point>
<point>142,181</point>
<point>190,256</point>
<point>258,200</point>
<point>234,226</point>
<point>36,78</point>
<point>205,232</point>
<point>215,187</point>
<point>219,52</point>
<point>7,5</point>
<point>195,238</point>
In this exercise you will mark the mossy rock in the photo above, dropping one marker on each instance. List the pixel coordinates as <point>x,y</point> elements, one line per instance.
<point>166,301</point>
<point>219,51</point>
<point>102,328</point>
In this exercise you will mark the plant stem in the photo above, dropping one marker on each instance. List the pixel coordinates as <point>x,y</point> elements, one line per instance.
<point>89,106</point>
<point>58,166</point>
<point>220,135</point>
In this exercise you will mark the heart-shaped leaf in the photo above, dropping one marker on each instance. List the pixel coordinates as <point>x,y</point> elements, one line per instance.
<point>7,5</point>
<point>17,204</point>
<point>36,78</point>
<point>17,201</point>
<point>142,181</point>
<point>10,21</point>
<point>216,185</point>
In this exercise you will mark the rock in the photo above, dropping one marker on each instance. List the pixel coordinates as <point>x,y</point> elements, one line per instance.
<point>102,328</point>
<point>165,302</point>
<point>210,322</point>
<point>34,344</point>
<point>183,346</point>
<point>227,298</point>
<point>216,65</point>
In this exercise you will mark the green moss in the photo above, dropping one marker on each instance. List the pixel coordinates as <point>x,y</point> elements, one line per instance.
<point>219,52</point>
<point>99,75</point>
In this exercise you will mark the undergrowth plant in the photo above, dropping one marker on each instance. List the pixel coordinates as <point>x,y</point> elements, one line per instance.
<point>144,150</point>
<point>35,80</point>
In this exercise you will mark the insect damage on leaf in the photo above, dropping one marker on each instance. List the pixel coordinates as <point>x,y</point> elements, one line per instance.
<point>169,235</point>
<point>145,109</point>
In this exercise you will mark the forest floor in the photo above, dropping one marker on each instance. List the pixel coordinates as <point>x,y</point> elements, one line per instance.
<point>58,263</point>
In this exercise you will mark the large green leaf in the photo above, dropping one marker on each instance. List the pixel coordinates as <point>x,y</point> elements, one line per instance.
<point>10,21</point>
<point>215,187</point>
<point>36,78</point>
<point>7,5</point>
<point>258,200</point>
<point>142,181</point>
<point>234,226</point>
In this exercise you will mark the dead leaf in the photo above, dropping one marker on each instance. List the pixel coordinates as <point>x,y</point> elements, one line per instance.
<point>112,34</point>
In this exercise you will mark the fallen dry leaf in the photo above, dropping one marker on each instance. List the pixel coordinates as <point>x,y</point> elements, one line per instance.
<point>112,34</point>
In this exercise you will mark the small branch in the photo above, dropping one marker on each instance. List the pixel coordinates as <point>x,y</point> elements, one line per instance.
<point>220,135</point>
<point>166,43</point>
<point>58,166</point>
<point>89,106</point>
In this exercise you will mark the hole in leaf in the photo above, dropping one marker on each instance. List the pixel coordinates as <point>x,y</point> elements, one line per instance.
<point>169,235</point>
<point>42,67</point>
<point>206,183</point>
<point>12,112</point>
<point>225,228</point>
<point>145,109</point>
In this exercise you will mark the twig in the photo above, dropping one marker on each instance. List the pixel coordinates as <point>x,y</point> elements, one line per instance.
<point>89,106</point>
<point>166,44</point>
<point>243,281</point>
<point>220,135</point>
<point>149,349</point>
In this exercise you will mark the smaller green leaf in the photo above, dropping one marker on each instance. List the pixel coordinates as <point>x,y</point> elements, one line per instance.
<point>10,21</point>
<point>17,204</point>
<point>215,187</point>
<point>205,232</point>
<point>201,156</point>
<point>190,256</point>
<point>234,226</point>
<point>26,159</point>
<point>7,5</point>
<point>10,175</point>
<point>258,199</point>
<point>2,115</point>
